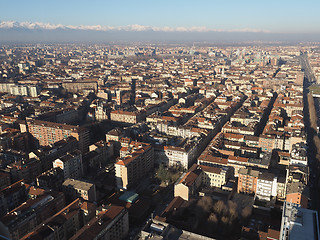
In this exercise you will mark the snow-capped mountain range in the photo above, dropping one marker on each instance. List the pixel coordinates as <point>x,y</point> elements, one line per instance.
<point>134,27</point>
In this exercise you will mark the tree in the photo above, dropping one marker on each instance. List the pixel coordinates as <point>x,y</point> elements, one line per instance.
<point>246,212</point>
<point>205,203</point>
<point>213,222</point>
<point>219,207</point>
<point>233,210</point>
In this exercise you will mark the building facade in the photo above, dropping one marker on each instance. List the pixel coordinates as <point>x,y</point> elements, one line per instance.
<point>71,164</point>
<point>48,133</point>
<point>79,189</point>
<point>247,180</point>
<point>112,224</point>
<point>134,166</point>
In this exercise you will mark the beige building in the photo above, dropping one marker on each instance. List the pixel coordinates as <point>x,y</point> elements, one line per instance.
<point>114,135</point>
<point>214,176</point>
<point>127,117</point>
<point>80,86</point>
<point>138,162</point>
<point>189,183</point>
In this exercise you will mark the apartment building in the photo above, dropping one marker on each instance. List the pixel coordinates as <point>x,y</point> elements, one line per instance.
<point>20,90</point>
<point>46,155</point>
<point>138,163</point>
<point>298,222</point>
<point>267,143</point>
<point>71,164</point>
<point>298,193</point>
<point>4,180</point>
<point>188,184</point>
<point>298,154</point>
<point>112,224</point>
<point>266,186</point>
<point>127,117</point>
<point>12,196</point>
<point>79,189</point>
<point>185,154</point>
<point>247,180</point>
<point>51,179</point>
<point>27,170</point>
<point>62,225</point>
<point>48,133</point>
<point>31,213</point>
<point>215,176</point>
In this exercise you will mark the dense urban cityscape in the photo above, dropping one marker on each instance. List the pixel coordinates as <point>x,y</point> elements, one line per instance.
<point>159,141</point>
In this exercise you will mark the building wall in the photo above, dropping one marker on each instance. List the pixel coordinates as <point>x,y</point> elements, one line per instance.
<point>72,168</point>
<point>74,189</point>
<point>177,157</point>
<point>181,190</point>
<point>214,179</point>
<point>128,174</point>
<point>297,198</point>
<point>264,189</point>
<point>247,184</point>
<point>48,133</point>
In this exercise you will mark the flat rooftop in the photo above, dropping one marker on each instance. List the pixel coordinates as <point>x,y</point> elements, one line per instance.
<point>299,223</point>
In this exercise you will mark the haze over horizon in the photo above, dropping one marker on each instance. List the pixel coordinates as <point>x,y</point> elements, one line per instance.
<point>101,21</point>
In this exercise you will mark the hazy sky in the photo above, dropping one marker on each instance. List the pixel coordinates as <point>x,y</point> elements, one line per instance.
<point>281,16</point>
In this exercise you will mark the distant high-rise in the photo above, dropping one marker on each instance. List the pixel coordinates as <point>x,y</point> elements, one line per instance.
<point>133,91</point>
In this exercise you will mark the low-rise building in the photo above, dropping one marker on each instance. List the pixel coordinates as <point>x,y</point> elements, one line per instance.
<point>188,184</point>
<point>127,117</point>
<point>79,189</point>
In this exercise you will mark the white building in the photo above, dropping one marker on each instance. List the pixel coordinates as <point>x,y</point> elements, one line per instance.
<point>20,90</point>
<point>266,186</point>
<point>33,91</point>
<point>298,223</point>
<point>181,156</point>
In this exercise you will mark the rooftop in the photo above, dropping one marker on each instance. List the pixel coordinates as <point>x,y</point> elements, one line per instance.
<point>299,223</point>
<point>78,184</point>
